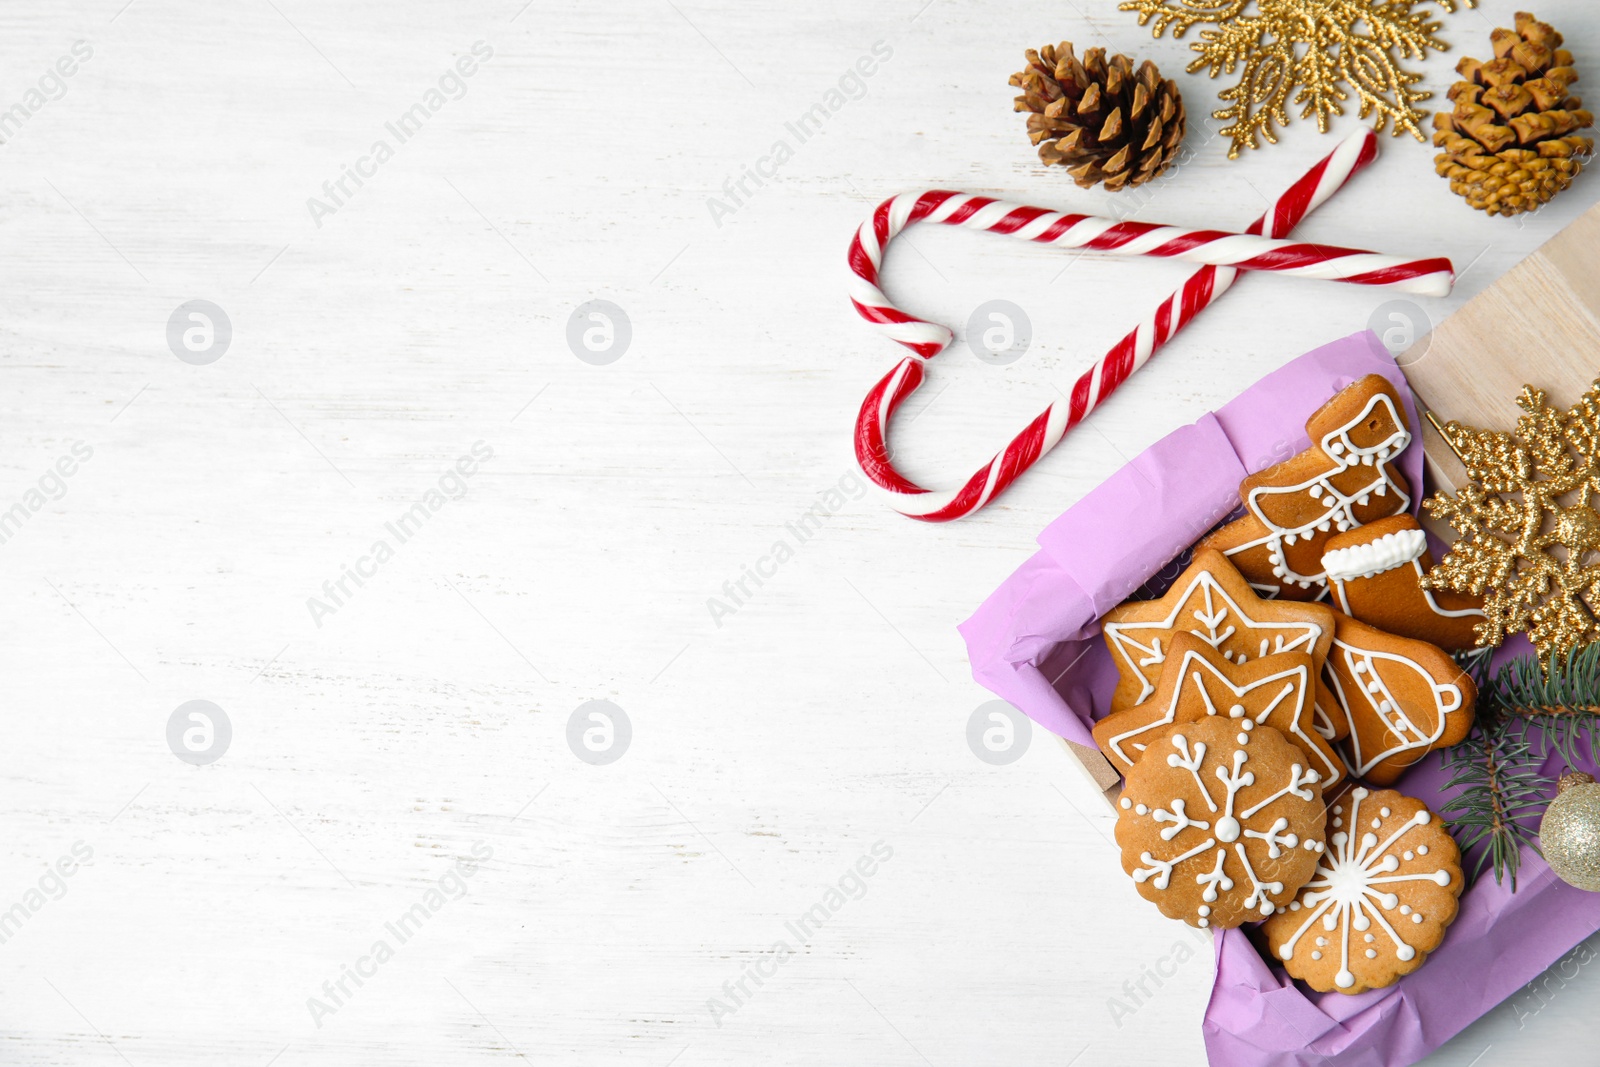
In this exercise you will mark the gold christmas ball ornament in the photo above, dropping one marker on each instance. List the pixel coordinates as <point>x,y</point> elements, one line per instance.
<point>1569,833</point>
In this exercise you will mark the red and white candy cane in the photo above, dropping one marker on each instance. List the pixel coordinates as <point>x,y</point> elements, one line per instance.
<point>1217,248</point>
<point>927,339</point>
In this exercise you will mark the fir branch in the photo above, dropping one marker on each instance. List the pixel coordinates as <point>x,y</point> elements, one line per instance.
<point>1524,713</point>
<point>1500,790</point>
<point>1569,687</point>
<point>1535,711</point>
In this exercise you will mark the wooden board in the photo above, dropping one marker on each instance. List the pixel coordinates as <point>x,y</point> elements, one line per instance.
<point>1539,325</point>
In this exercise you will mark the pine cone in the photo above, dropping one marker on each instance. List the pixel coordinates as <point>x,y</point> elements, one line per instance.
<point>1103,121</point>
<point>1511,142</point>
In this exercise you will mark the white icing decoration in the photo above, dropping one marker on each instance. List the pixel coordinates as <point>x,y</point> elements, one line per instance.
<point>1373,558</point>
<point>1126,803</point>
<point>1212,625</point>
<point>1392,550</point>
<point>1181,821</point>
<point>1337,506</point>
<point>1216,879</point>
<point>1190,761</point>
<point>1348,890</point>
<point>1162,869</point>
<point>1299,778</point>
<point>1258,897</point>
<point>1275,838</point>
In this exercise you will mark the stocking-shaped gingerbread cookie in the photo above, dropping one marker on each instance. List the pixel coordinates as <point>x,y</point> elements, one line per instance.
<point>1344,479</point>
<point>1375,573</point>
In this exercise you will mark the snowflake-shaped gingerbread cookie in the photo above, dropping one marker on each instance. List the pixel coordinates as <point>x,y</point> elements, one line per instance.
<point>1220,822</point>
<point>1380,900</point>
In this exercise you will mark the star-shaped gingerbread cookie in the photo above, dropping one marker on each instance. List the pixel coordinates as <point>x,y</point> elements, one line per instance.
<point>1346,478</point>
<point>1212,601</point>
<point>1199,682</point>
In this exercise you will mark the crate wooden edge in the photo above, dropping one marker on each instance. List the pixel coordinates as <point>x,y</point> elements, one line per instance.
<point>1107,782</point>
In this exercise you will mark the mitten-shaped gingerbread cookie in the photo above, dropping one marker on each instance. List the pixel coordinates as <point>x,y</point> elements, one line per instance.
<point>1344,479</point>
<point>1404,698</point>
<point>1383,893</point>
<point>1375,572</point>
<point>1221,822</point>
<point>1198,681</point>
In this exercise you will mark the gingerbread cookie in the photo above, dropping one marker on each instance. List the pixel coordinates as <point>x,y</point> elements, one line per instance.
<point>1375,572</point>
<point>1383,893</point>
<point>1197,682</point>
<point>1403,699</point>
<point>1221,822</point>
<point>1346,478</point>
<point>1326,717</point>
<point>1214,603</point>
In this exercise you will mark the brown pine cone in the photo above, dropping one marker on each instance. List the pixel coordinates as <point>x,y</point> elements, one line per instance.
<point>1511,143</point>
<point>1101,120</point>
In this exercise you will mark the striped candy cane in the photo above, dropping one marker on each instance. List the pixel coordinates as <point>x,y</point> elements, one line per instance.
<point>927,339</point>
<point>1217,248</point>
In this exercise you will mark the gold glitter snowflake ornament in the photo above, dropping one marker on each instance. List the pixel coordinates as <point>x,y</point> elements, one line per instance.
<point>1530,536</point>
<point>1310,49</point>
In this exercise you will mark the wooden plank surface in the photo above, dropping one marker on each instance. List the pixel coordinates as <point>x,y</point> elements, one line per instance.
<point>1538,325</point>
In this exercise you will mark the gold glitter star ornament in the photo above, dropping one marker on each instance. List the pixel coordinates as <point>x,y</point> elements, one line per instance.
<point>1530,536</point>
<point>1307,53</point>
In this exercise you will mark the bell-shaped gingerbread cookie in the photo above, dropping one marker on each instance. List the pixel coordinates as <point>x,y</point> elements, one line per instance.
<point>1404,698</point>
<point>1375,571</point>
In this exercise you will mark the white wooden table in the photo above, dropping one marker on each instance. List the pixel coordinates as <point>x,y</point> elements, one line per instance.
<point>421,720</point>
